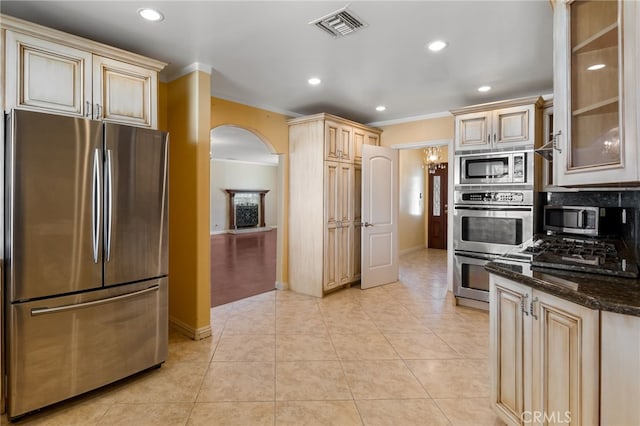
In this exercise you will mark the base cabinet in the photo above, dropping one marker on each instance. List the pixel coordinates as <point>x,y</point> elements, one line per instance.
<point>325,179</point>
<point>620,371</point>
<point>544,357</point>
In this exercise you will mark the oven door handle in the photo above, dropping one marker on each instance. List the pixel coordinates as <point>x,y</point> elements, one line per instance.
<point>504,209</point>
<point>484,256</point>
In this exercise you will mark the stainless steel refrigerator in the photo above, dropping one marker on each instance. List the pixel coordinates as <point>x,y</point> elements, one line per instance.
<point>86,206</point>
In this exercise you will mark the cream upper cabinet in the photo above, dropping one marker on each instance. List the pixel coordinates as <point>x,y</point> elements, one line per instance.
<point>497,125</point>
<point>45,75</point>
<point>124,93</point>
<point>544,357</point>
<point>363,137</point>
<point>52,71</point>
<point>339,142</point>
<point>596,92</point>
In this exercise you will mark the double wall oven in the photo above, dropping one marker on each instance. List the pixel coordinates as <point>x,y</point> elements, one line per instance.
<point>493,215</point>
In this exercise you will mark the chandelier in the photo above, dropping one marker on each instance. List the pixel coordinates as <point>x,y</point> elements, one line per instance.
<point>431,159</point>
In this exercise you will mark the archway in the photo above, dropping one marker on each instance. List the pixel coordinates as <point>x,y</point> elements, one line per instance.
<point>245,214</point>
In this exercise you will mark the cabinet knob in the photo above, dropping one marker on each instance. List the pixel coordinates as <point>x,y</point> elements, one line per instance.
<point>87,112</point>
<point>98,112</point>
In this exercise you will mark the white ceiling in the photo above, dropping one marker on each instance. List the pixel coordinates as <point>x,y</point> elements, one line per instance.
<point>262,52</point>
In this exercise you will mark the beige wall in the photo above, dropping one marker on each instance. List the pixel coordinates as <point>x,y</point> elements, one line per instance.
<point>412,230</point>
<point>418,131</point>
<point>185,111</point>
<point>411,233</point>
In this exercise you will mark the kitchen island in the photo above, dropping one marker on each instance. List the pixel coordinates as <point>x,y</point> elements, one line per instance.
<point>564,346</point>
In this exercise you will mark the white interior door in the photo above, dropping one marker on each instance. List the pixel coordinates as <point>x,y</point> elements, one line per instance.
<point>379,216</point>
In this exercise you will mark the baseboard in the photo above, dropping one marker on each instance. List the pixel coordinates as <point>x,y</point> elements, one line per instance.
<point>410,250</point>
<point>218,232</point>
<point>187,330</point>
<point>282,286</point>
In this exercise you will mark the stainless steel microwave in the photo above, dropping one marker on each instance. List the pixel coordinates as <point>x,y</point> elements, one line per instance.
<point>584,220</point>
<point>495,168</point>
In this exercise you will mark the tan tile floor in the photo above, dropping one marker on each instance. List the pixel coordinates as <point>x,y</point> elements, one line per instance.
<point>401,354</point>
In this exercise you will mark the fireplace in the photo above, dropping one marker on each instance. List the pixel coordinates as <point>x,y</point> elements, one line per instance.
<point>246,208</point>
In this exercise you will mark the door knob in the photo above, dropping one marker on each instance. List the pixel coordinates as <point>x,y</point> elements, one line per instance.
<point>367,224</point>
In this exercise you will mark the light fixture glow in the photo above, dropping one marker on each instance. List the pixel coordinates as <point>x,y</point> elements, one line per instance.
<point>314,81</point>
<point>484,88</point>
<point>381,108</point>
<point>596,67</point>
<point>151,14</point>
<point>437,45</point>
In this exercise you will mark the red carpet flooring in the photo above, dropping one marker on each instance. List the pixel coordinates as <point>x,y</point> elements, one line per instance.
<point>242,265</point>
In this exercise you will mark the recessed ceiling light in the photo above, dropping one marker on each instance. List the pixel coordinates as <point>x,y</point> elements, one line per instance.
<point>596,67</point>
<point>150,14</point>
<point>484,88</point>
<point>314,81</point>
<point>381,108</point>
<point>437,45</point>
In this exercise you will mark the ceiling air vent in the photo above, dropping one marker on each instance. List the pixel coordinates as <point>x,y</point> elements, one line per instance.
<point>339,23</point>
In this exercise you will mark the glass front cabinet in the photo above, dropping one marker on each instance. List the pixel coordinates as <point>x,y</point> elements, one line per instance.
<point>596,92</point>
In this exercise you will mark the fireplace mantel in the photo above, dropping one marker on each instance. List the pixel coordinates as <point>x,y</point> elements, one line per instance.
<point>232,211</point>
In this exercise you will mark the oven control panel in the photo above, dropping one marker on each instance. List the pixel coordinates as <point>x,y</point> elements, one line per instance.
<point>492,197</point>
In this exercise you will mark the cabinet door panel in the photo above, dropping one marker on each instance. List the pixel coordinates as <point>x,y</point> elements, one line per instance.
<point>332,192</point>
<point>47,76</point>
<point>565,361</point>
<point>346,189</point>
<point>357,220</point>
<point>346,144</point>
<point>508,336</point>
<point>345,248</point>
<point>124,92</point>
<point>512,125</point>
<point>331,250</point>
<point>473,131</point>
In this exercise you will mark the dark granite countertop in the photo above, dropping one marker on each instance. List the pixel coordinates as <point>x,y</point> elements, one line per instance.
<point>620,295</point>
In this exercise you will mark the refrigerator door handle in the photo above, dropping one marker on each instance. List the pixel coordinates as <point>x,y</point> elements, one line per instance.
<point>109,201</point>
<point>96,207</point>
<point>58,309</point>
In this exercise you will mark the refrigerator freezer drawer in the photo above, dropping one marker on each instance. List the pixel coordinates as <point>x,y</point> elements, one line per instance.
<point>64,346</point>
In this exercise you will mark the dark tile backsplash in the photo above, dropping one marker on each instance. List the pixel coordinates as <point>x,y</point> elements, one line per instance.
<point>627,199</point>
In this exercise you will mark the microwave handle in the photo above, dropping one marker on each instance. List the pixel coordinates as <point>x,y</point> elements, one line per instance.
<point>581,219</point>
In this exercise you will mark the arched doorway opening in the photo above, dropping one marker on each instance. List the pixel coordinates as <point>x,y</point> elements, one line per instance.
<point>245,194</point>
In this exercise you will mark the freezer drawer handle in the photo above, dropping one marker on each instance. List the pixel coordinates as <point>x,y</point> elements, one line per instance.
<point>44,311</point>
<point>96,207</point>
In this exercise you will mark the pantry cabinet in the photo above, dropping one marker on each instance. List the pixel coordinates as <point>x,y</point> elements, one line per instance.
<point>497,125</point>
<point>325,178</point>
<point>544,357</point>
<point>51,71</point>
<point>596,92</point>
